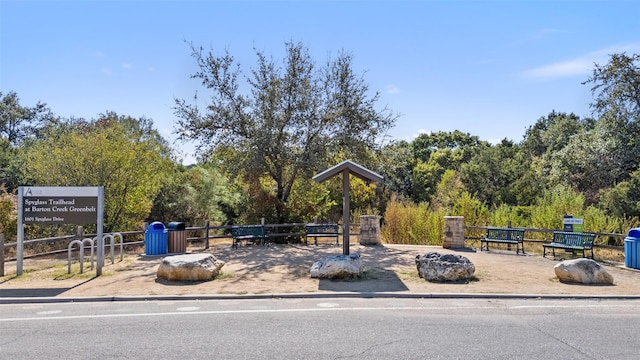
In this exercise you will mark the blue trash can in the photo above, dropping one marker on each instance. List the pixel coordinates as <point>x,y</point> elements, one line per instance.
<point>632,249</point>
<point>155,239</point>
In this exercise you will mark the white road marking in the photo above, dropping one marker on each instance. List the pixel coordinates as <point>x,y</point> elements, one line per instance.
<point>49,312</point>
<point>188,308</point>
<point>328,305</point>
<point>317,309</point>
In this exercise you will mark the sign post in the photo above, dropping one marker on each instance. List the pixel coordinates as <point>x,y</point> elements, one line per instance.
<point>47,205</point>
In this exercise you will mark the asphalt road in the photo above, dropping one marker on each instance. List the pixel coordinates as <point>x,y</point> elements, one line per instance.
<point>323,329</point>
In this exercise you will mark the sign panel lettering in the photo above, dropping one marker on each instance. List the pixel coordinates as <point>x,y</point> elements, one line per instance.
<point>59,205</point>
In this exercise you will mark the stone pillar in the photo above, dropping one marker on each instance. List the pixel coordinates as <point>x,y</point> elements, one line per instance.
<point>453,232</point>
<point>370,230</point>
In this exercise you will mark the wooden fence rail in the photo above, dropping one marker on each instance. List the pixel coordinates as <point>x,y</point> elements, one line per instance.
<point>206,233</point>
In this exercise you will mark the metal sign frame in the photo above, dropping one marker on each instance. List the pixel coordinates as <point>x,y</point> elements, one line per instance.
<point>60,205</point>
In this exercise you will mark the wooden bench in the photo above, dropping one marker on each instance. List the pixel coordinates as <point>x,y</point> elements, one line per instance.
<point>320,230</point>
<point>570,241</point>
<point>252,233</point>
<point>504,236</point>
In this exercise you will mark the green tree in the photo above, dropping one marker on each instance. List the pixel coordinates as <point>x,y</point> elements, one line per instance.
<point>171,203</point>
<point>493,171</point>
<point>395,165</point>
<point>616,87</point>
<point>623,200</point>
<point>121,153</point>
<point>426,143</point>
<point>213,196</point>
<point>616,90</point>
<point>18,124</point>
<point>435,153</point>
<point>589,163</point>
<point>291,118</point>
<point>551,133</point>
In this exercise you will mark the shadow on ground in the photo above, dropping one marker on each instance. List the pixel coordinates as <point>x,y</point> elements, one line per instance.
<point>38,292</point>
<point>373,280</point>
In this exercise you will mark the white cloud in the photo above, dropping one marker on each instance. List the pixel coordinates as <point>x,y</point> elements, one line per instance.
<point>151,69</point>
<point>106,70</point>
<point>99,54</point>
<point>392,89</point>
<point>581,65</point>
<point>420,132</point>
<point>127,66</point>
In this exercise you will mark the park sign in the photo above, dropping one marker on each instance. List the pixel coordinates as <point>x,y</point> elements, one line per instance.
<point>572,224</point>
<point>60,205</point>
<point>57,205</point>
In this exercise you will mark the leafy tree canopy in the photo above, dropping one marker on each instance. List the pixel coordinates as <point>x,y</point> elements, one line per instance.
<point>18,122</point>
<point>286,121</point>
<point>123,154</point>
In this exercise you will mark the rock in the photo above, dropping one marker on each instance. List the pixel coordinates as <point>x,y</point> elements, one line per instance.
<point>189,267</point>
<point>585,271</point>
<point>435,267</point>
<point>337,267</point>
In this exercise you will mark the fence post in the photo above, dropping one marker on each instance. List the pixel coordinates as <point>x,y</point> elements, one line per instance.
<point>206,234</point>
<point>79,233</point>
<point>1,254</point>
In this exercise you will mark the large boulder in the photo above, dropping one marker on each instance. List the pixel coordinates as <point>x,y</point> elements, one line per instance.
<point>436,267</point>
<point>584,271</point>
<point>189,267</point>
<point>337,267</point>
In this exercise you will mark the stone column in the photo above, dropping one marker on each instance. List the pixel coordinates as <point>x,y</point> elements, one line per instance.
<point>453,232</point>
<point>370,230</point>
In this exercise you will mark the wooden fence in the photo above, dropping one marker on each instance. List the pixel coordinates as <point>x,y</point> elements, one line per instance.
<point>291,233</point>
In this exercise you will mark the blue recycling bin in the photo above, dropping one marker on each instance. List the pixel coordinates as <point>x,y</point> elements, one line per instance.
<point>155,239</point>
<point>632,249</point>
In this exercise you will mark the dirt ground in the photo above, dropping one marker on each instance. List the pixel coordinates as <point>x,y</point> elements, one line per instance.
<point>284,269</point>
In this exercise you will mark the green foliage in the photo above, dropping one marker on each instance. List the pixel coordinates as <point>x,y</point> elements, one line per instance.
<point>171,202</point>
<point>310,201</point>
<point>211,195</point>
<point>553,205</point>
<point>409,223</point>
<point>425,144</point>
<point>616,91</point>
<point>623,200</point>
<point>120,153</point>
<point>493,172</point>
<point>395,163</point>
<point>504,215</point>
<point>18,123</point>
<point>448,190</point>
<point>588,163</point>
<point>474,211</point>
<point>8,214</point>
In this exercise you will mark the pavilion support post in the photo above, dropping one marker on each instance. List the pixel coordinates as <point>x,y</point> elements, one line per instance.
<point>346,226</point>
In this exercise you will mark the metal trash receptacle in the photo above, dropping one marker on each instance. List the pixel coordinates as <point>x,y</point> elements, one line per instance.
<point>177,237</point>
<point>155,239</point>
<point>632,249</point>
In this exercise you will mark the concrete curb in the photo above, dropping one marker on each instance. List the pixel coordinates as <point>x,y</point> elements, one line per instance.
<point>344,295</point>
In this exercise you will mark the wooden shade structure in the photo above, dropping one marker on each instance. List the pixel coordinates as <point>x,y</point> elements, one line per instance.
<point>347,168</point>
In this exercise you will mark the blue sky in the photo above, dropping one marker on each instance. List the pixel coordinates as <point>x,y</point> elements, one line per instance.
<point>488,68</point>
